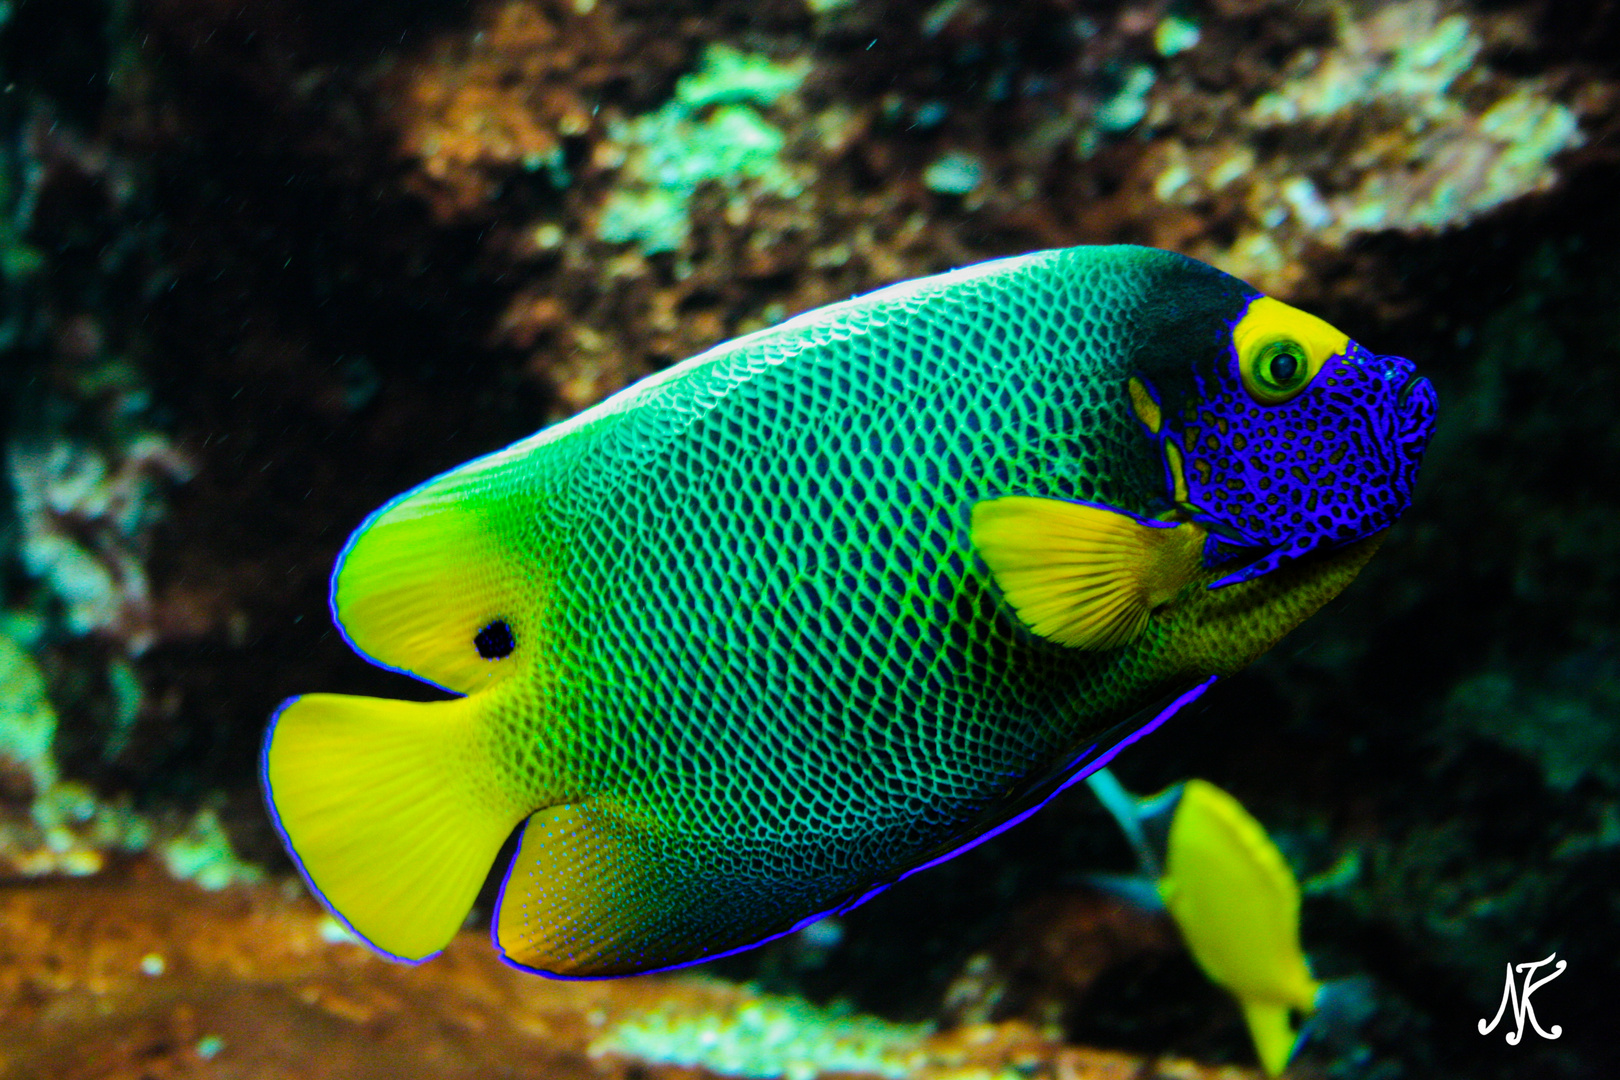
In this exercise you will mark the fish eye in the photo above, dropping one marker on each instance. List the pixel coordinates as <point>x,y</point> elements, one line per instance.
<point>1280,349</point>
<point>1279,370</point>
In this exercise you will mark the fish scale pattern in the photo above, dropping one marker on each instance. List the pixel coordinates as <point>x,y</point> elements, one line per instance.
<point>783,672</point>
<point>726,639</point>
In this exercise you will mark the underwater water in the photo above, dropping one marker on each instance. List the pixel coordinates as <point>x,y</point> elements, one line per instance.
<point>267,266</point>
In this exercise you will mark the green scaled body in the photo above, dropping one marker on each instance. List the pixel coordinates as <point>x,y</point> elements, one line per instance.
<point>728,638</point>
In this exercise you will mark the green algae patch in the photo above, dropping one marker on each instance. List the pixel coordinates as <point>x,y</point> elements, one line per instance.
<point>27,721</point>
<point>202,853</point>
<point>712,130</point>
<point>68,830</point>
<point>954,173</point>
<point>729,76</point>
<point>770,1037</point>
<point>1428,136</point>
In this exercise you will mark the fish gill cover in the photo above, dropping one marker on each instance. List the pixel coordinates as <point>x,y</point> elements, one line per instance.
<point>267,266</point>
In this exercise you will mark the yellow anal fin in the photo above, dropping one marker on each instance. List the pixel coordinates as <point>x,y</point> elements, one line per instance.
<point>598,890</point>
<point>430,584</point>
<point>1273,1033</point>
<point>1083,576</point>
<point>390,812</point>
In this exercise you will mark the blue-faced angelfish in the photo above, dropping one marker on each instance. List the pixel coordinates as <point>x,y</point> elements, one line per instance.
<point>777,627</point>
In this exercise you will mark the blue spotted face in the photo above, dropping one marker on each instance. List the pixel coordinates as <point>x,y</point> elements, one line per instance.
<point>1296,440</point>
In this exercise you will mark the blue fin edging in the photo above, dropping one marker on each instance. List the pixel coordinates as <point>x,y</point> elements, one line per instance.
<point>1082,769</point>
<point>286,842</point>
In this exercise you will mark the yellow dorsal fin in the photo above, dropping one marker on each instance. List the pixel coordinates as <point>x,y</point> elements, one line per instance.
<point>430,572</point>
<point>1079,575</point>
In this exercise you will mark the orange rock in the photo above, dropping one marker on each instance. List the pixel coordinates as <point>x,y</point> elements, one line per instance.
<point>475,108</point>
<point>136,976</point>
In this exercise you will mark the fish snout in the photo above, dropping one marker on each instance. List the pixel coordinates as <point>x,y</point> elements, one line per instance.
<point>1396,371</point>
<point>1415,399</point>
<point>1417,404</point>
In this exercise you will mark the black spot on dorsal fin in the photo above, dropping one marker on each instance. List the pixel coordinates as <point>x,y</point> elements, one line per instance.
<point>495,641</point>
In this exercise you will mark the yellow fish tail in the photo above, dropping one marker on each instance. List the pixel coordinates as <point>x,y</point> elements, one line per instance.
<point>388,810</point>
<point>1273,1034</point>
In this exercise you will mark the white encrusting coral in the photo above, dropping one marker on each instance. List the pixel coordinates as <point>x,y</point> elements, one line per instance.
<point>86,522</point>
<point>1424,137</point>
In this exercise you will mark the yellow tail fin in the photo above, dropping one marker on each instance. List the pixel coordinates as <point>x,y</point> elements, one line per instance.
<point>1273,1034</point>
<point>390,810</point>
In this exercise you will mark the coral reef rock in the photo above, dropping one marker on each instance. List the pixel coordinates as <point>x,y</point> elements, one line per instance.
<point>140,976</point>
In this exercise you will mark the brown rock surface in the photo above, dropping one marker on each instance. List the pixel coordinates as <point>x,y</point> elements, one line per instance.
<point>137,976</point>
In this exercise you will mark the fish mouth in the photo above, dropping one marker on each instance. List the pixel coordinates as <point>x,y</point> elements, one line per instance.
<point>1407,388</point>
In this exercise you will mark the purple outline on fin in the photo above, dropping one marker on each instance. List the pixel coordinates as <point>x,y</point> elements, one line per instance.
<point>1080,774</point>
<point>1186,698</point>
<point>348,545</point>
<point>1147,523</point>
<point>286,842</point>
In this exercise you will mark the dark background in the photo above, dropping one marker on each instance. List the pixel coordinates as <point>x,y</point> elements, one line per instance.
<point>222,231</point>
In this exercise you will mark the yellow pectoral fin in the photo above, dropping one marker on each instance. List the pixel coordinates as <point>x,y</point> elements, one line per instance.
<point>390,812</point>
<point>1082,576</point>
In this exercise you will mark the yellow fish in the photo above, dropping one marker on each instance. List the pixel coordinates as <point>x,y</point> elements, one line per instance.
<point>1237,904</point>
